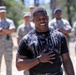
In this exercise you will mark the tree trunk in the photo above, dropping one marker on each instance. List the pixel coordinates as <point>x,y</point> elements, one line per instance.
<point>69,12</point>
<point>23,1</point>
<point>1,2</point>
<point>36,3</point>
<point>52,6</point>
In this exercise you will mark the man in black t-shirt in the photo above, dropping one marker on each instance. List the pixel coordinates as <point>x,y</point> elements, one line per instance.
<point>43,50</point>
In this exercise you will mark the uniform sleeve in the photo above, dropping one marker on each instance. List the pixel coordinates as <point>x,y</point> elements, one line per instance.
<point>12,26</point>
<point>19,33</point>
<point>64,47</point>
<point>67,25</point>
<point>51,24</point>
<point>74,27</point>
<point>32,25</point>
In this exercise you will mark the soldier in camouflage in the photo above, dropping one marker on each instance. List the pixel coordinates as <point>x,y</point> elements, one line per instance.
<point>6,44</point>
<point>23,29</point>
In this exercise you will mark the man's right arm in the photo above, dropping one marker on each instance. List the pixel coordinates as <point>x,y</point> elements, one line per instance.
<point>22,63</point>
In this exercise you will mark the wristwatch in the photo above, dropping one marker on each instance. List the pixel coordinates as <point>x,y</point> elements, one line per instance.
<point>0,28</point>
<point>38,58</point>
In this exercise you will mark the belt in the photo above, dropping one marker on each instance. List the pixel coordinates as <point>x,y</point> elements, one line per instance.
<point>47,73</point>
<point>60,72</point>
<point>56,73</point>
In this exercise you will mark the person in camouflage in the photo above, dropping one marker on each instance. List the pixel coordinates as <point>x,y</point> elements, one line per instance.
<point>23,29</point>
<point>7,27</point>
<point>60,23</point>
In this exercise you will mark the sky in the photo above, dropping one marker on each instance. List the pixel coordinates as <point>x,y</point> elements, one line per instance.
<point>31,2</point>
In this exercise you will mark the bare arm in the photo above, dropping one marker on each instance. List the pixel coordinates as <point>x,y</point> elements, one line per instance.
<point>66,32</point>
<point>67,63</point>
<point>22,63</point>
<point>75,34</point>
<point>7,31</point>
<point>18,40</point>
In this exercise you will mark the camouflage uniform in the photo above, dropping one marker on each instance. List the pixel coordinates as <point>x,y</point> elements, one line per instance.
<point>6,45</point>
<point>74,31</point>
<point>61,24</point>
<point>23,30</point>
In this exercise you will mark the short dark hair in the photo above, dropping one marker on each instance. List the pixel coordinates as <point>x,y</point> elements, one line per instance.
<point>39,9</point>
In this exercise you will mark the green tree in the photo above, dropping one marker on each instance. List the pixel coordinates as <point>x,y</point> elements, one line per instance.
<point>68,8</point>
<point>14,10</point>
<point>71,9</point>
<point>1,2</point>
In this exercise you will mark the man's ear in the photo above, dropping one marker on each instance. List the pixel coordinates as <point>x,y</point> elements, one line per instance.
<point>48,17</point>
<point>32,20</point>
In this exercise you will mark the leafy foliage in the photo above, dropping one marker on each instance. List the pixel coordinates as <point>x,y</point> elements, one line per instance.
<point>14,10</point>
<point>68,8</point>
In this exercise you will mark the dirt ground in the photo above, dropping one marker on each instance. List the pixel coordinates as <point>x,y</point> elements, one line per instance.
<point>16,72</point>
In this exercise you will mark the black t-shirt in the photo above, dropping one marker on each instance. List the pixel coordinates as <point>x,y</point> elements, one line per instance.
<point>34,43</point>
